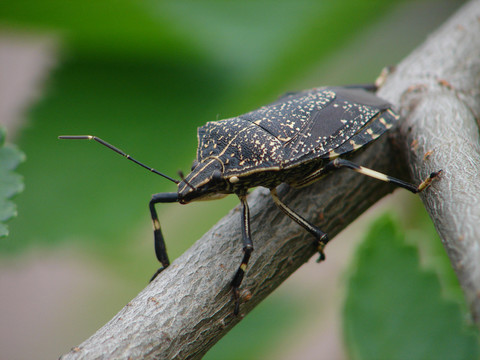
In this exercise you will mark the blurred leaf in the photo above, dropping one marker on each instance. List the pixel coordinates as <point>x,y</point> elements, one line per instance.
<point>421,233</point>
<point>148,105</point>
<point>260,41</point>
<point>266,44</point>
<point>121,28</point>
<point>94,195</point>
<point>10,182</point>
<point>395,310</point>
<point>259,37</point>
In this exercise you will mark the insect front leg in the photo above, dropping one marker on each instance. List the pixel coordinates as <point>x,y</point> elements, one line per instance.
<point>321,238</point>
<point>247,251</point>
<point>160,248</point>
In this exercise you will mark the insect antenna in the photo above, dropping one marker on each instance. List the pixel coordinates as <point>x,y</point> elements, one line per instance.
<point>117,150</point>
<point>180,173</point>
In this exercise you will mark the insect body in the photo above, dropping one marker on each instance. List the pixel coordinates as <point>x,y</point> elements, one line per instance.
<point>295,140</point>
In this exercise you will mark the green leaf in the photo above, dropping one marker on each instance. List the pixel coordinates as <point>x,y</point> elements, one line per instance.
<point>146,102</point>
<point>10,182</point>
<point>395,310</point>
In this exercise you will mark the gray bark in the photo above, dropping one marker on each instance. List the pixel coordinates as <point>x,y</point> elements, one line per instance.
<point>188,308</point>
<point>437,89</point>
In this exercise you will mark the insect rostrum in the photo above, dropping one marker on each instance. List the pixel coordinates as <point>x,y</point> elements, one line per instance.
<point>296,140</point>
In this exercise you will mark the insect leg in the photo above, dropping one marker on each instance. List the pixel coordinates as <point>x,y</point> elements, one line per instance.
<point>247,251</point>
<point>320,236</point>
<point>160,248</point>
<point>339,163</point>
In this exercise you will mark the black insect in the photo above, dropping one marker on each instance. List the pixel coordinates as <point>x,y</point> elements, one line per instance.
<point>295,140</point>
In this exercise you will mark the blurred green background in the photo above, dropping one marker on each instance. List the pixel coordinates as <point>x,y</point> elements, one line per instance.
<point>143,76</point>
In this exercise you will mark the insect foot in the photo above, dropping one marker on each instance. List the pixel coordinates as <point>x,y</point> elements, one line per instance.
<point>428,181</point>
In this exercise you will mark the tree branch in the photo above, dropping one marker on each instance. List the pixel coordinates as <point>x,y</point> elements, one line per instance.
<point>188,308</point>
<point>438,90</point>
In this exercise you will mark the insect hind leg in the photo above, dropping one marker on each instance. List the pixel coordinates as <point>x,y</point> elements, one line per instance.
<point>321,238</point>
<point>342,163</point>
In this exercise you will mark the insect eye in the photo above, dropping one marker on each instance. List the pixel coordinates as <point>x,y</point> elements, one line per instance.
<point>217,176</point>
<point>194,165</point>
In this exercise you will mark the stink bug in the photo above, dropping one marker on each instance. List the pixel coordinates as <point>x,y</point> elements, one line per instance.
<point>296,140</point>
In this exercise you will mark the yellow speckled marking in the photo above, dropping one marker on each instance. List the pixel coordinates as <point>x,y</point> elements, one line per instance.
<point>355,145</point>
<point>332,154</point>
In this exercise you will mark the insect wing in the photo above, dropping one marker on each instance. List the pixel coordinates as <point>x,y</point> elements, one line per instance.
<point>335,128</point>
<point>287,118</point>
<point>316,123</point>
